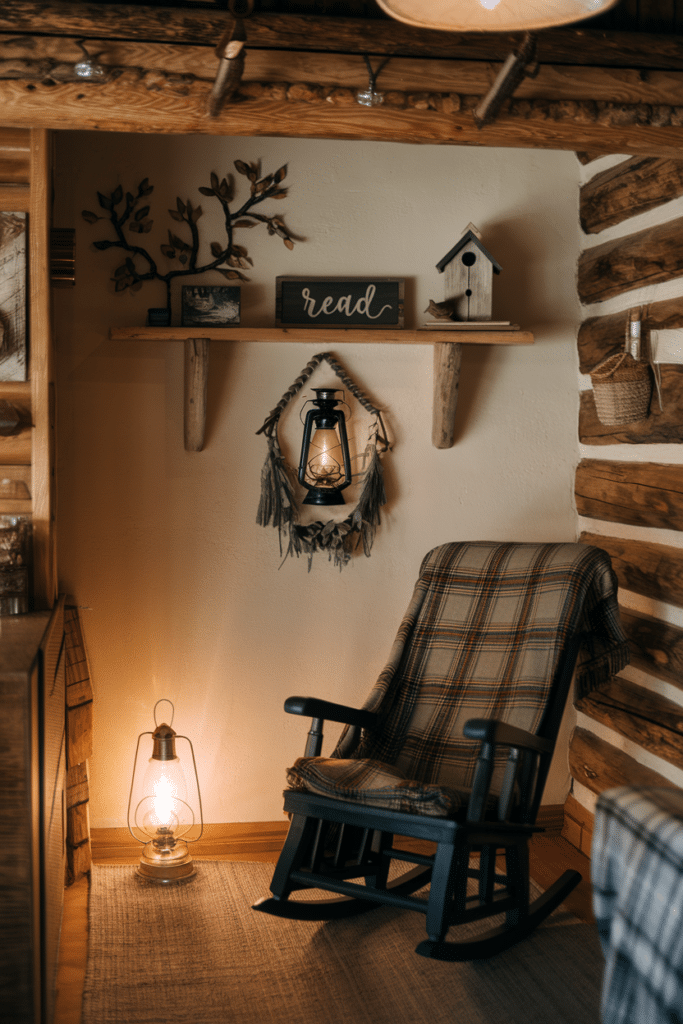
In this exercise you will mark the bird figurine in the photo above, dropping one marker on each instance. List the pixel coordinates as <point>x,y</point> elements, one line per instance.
<point>441,310</point>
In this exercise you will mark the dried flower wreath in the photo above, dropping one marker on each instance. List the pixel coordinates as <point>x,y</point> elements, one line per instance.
<point>278,505</point>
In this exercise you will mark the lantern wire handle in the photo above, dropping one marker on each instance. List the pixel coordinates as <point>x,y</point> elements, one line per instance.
<point>132,781</point>
<point>162,701</point>
<point>199,794</point>
<point>269,427</point>
<point>339,401</point>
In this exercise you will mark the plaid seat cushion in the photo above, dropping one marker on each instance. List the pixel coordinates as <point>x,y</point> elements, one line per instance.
<point>481,638</point>
<point>374,784</point>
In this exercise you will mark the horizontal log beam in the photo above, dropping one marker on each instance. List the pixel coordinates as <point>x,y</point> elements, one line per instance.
<point>651,721</point>
<point>15,493</point>
<point>632,187</point>
<point>644,258</point>
<point>660,426</point>
<point>588,158</point>
<point>601,336</point>
<point>39,58</point>
<point>639,494</point>
<point>193,26</point>
<point>15,198</point>
<point>656,647</point>
<point>158,103</point>
<point>571,100</point>
<point>15,140</point>
<point>598,765</point>
<point>654,570</point>
<point>77,785</point>
<point>15,155</point>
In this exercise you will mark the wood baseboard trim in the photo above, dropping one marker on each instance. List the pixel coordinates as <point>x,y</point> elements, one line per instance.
<point>551,818</point>
<point>578,825</point>
<point>250,840</point>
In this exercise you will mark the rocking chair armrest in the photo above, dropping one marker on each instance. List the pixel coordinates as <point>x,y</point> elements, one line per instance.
<point>323,709</point>
<point>490,730</point>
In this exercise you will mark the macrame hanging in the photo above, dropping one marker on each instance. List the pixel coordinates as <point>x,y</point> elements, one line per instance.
<point>278,503</point>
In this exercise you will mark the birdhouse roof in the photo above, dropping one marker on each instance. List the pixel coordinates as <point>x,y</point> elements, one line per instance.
<point>469,236</point>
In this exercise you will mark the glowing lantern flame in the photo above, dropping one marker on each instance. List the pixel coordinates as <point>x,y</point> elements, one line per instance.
<point>163,800</point>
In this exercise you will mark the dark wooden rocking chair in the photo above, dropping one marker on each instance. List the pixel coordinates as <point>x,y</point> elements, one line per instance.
<point>481,666</point>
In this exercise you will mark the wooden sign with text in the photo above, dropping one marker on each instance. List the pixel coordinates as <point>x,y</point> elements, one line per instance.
<point>339,302</point>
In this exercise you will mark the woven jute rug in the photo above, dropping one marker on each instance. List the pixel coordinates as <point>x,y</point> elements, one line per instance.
<point>196,953</point>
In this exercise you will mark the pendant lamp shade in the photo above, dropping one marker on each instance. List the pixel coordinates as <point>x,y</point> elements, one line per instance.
<point>492,15</point>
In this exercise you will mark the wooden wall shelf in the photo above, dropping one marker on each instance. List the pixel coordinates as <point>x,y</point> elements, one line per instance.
<point>446,360</point>
<point>320,335</point>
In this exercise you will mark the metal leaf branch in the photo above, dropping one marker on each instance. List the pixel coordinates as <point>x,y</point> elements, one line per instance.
<point>229,258</point>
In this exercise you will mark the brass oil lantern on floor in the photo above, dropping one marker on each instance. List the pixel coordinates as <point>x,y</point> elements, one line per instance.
<point>159,807</point>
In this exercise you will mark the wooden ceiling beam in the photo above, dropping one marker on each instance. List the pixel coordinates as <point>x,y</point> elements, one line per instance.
<point>42,57</point>
<point>153,102</point>
<point>292,88</point>
<point>197,27</point>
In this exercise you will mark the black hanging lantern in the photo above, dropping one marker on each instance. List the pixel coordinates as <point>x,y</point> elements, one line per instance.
<point>325,464</point>
<point>278,503</point>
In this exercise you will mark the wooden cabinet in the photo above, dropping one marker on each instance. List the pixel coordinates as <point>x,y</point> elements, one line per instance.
<point>32,812</point>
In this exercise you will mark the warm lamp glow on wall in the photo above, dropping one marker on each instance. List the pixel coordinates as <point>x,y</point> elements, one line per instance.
<point>325,463</point>
<point>160,806</point>
<point>492,15</point>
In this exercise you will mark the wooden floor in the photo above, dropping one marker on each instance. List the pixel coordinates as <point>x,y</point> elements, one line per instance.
<point>550,856</point>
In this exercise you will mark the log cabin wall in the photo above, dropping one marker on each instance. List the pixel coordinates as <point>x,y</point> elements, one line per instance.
<point>630,479</point>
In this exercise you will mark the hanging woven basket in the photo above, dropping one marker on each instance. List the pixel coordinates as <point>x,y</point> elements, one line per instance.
<point>622,388</point>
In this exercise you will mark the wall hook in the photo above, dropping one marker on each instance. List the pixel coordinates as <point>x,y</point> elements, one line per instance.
<point>370,97</point>
<point>88,67</point>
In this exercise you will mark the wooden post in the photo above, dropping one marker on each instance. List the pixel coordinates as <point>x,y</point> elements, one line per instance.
<point>196,383</point>
<point>447,356</point>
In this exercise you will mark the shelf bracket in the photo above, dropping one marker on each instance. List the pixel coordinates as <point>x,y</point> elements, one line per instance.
<point>196,387</point>
<point>447,355</point>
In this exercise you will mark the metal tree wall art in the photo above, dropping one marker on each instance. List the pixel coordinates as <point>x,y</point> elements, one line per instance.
<point>129,216</point>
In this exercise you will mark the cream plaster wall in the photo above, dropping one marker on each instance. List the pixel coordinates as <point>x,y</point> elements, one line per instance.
<point>182,594</point>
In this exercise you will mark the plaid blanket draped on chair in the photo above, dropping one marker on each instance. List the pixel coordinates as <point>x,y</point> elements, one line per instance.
<point>481,638</point>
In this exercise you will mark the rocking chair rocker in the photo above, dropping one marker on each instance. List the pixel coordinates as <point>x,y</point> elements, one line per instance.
<point>481,666</point>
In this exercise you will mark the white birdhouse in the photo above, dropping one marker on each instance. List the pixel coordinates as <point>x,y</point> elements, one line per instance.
<point>469,268</point>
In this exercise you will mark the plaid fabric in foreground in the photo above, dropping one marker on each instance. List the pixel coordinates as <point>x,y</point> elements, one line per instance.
<point>482,638</point>
<point>637,875</point>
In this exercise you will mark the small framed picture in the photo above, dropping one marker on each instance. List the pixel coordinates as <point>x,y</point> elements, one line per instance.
<point>210,305</point>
